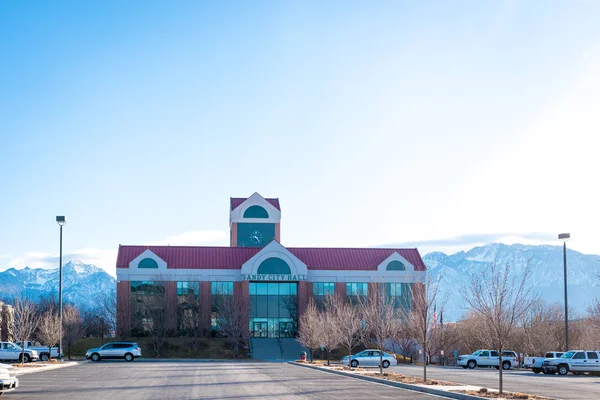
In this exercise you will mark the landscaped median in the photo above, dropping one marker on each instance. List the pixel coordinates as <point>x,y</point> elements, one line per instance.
<point>431,386</point>
<point>28,368</point>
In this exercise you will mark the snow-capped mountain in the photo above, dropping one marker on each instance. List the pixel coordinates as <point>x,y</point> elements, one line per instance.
<point>82,283</point>
<point>547,273</point>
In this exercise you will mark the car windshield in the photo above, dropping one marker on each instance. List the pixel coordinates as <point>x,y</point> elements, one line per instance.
<point>568,354</point>
<point>477,353</point>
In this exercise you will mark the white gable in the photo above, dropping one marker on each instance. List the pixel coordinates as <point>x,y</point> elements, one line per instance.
<point>395,257</point>
<point>274,250</point>
<point>162,264</point>
<point>237,214</point>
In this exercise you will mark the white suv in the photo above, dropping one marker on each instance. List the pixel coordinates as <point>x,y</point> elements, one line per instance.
<point>125,350</point>
<point>489,358</point>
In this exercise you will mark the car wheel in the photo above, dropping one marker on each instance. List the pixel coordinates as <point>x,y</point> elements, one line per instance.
<point>354,363</point>
<point>385,363</point>
<point>25,358</point>
<point>471,364</point>
<point>44,357</point>
<point>128,357</point>
<point>95,357</point>
<point>505,365</point>
<point>563,370</point>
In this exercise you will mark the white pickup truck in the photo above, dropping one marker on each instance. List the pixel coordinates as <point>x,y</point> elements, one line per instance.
<point>42,350</point>
<point>12,352</point>
<point>8,379</point>
<point>577,362</point>
<point>535,363</point>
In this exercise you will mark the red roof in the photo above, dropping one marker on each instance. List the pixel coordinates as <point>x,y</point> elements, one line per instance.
<point>193,257</point>
<point>236,201</point>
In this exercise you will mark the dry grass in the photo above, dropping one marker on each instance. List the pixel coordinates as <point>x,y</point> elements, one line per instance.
<point>489,394</point>
<point>410,379</point>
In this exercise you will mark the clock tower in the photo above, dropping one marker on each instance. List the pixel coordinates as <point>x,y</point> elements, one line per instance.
<point>254,221</point>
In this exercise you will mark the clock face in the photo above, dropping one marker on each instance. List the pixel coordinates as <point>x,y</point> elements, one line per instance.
<point>255,237</point>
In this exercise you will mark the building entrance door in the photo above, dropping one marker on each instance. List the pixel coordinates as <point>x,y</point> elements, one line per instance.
<point>260,329</point>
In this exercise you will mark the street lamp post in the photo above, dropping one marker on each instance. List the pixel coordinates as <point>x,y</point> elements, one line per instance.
<point>60,220</point>
<point>564,237</point>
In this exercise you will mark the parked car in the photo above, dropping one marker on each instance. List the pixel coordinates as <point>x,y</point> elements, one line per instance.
<point>489,358</point>
<point>535,363</point>
<point>576,361</point>
<point>13,352</point>
<point>370,358</point>
<point>42,350</point>
<point>8,379</point>
<point>125,350</point>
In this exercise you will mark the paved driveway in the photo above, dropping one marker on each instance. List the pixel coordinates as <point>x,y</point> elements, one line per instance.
<point>554,386</point>
<point>145,380</point>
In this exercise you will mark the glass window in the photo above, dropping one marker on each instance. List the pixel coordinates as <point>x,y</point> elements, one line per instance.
<point>221,288</point>
<point>592,355</point>
<point>357,289</point>
<point>256,212</point>
<point>580,355</point>
<point>323,288</point>
<point>274,265</point>
<point>485,354</point>
<point>147,263</point>
<point>188,289</point>
<point>395,266</point>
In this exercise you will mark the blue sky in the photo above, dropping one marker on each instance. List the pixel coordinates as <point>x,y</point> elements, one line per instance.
<point>441,125</point>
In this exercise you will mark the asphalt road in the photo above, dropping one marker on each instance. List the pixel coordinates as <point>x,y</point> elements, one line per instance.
<point>146,380</point>
<point>554,386</point>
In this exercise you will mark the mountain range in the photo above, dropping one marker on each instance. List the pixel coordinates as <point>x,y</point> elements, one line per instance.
<point>547,273</point>
<point>83,283</point>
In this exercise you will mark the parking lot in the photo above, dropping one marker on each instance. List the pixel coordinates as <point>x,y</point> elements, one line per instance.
<point>554,386</point>
<point>144,380</point>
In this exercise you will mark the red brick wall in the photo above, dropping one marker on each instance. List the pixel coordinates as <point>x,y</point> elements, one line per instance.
<point>241,291</point>
<point>171,306</point>
<point>205,313</point>
<point>340,290</point>
<point>302,297</point>
<point>233,242</point>
<point>123,309</point>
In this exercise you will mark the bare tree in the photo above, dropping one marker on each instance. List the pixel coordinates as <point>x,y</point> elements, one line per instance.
<point>346,324</point>
<point>310,332</point>
<point>48,332</point>
<point>233,317</point>
<point>594,313</point>
<point>26,321</point>
<point>419,318</point>
<point>107,310</point>
<point>73,328</point>
<point>543,328</point>
<point>500,300</point>
<point>382,319</point>
<point>405,343</point>
<point>443,338</point>
<point>189,319</point>
<point>150,313</point>
<point>330,337</point>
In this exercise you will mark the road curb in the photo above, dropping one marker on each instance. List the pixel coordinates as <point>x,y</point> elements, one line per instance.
<point>437,392</point>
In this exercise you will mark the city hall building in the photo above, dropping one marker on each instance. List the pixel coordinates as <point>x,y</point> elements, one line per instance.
<point>273,281</point>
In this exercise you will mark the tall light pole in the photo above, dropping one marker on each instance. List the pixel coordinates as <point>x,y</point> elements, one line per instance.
<point>564,237</point>
<point>60,220</point>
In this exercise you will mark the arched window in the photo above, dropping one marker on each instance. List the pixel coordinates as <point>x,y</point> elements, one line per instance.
<point>274,265</point>
<point>395,266</point>
<point>148,263</point>
<point>256,212</point>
